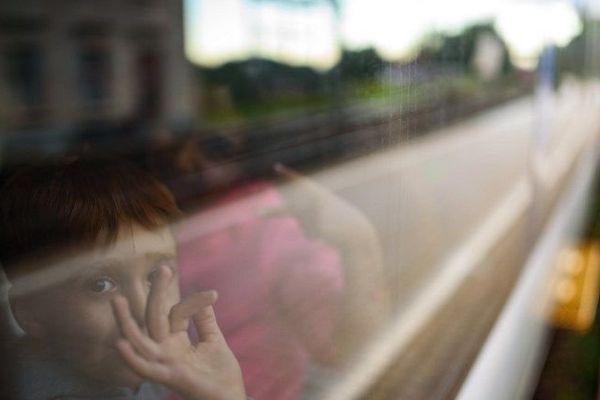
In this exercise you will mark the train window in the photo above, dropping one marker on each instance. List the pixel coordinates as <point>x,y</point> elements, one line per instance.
<point>288,199</point>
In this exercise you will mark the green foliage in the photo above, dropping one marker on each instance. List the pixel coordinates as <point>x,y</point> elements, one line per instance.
<point>257,80</point>
<point>579,56</point>
<point>360,65</point>
<point>257,87</point>
<point>458,49</point>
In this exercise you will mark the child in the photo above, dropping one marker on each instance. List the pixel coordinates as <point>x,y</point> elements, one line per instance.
<point>92,264</point>
<point>300,277</point>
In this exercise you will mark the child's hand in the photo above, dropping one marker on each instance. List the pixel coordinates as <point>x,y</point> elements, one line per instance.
<point>322,213</point>
<point>204,371</point>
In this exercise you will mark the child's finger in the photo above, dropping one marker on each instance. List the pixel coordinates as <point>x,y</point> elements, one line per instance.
<point>287,172</point>
<point>303,191</point>
<point>184,310</point>
<point>296,178</point>
<point>274,212</point>
<point>156,309</point>
<point>131,330</point>
<point>206,325</point>
<point>148,370</point>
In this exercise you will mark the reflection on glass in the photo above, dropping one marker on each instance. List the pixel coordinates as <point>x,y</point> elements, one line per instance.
<point>333,169</point>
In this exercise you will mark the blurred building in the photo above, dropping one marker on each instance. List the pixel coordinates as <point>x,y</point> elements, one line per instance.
<point>65,64</point>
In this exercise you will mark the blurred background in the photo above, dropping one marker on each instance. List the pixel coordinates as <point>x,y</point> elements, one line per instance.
<point>464,132</point>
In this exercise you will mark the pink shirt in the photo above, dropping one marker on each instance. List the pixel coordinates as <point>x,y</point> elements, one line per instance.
<point>279,291</point>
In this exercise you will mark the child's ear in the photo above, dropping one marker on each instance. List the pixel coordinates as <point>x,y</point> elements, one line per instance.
<point>25,316</point>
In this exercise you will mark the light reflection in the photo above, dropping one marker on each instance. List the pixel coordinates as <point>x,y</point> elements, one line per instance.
<point>529,27</point>
<point>383,130</point>
<point>298,35</point>
<point>308,34</point>
<point>216,31</point>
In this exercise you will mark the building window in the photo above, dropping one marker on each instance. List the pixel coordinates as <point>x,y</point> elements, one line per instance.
<point>94,74</point>
<point>24,70</point>
<point>149,77</point>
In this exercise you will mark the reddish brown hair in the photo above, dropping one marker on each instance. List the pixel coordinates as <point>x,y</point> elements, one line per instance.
<point>56,206</point>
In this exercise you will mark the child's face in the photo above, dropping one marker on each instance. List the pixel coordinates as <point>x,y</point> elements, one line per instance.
<point>75,317</point>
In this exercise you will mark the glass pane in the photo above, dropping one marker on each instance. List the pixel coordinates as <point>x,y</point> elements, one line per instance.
<point>280,199</point>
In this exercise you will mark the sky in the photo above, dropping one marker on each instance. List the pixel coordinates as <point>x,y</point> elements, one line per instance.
<point>218,31</point>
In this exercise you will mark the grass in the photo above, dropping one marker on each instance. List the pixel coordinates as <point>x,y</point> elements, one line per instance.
<point>355,94</point>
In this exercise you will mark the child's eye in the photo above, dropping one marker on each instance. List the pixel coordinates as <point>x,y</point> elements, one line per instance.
<point>102,285</point>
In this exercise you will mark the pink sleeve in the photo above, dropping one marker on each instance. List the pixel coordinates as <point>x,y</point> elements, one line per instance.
<point>270,263</point>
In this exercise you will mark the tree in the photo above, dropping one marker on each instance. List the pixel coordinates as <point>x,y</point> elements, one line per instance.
<point>360,65</point>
